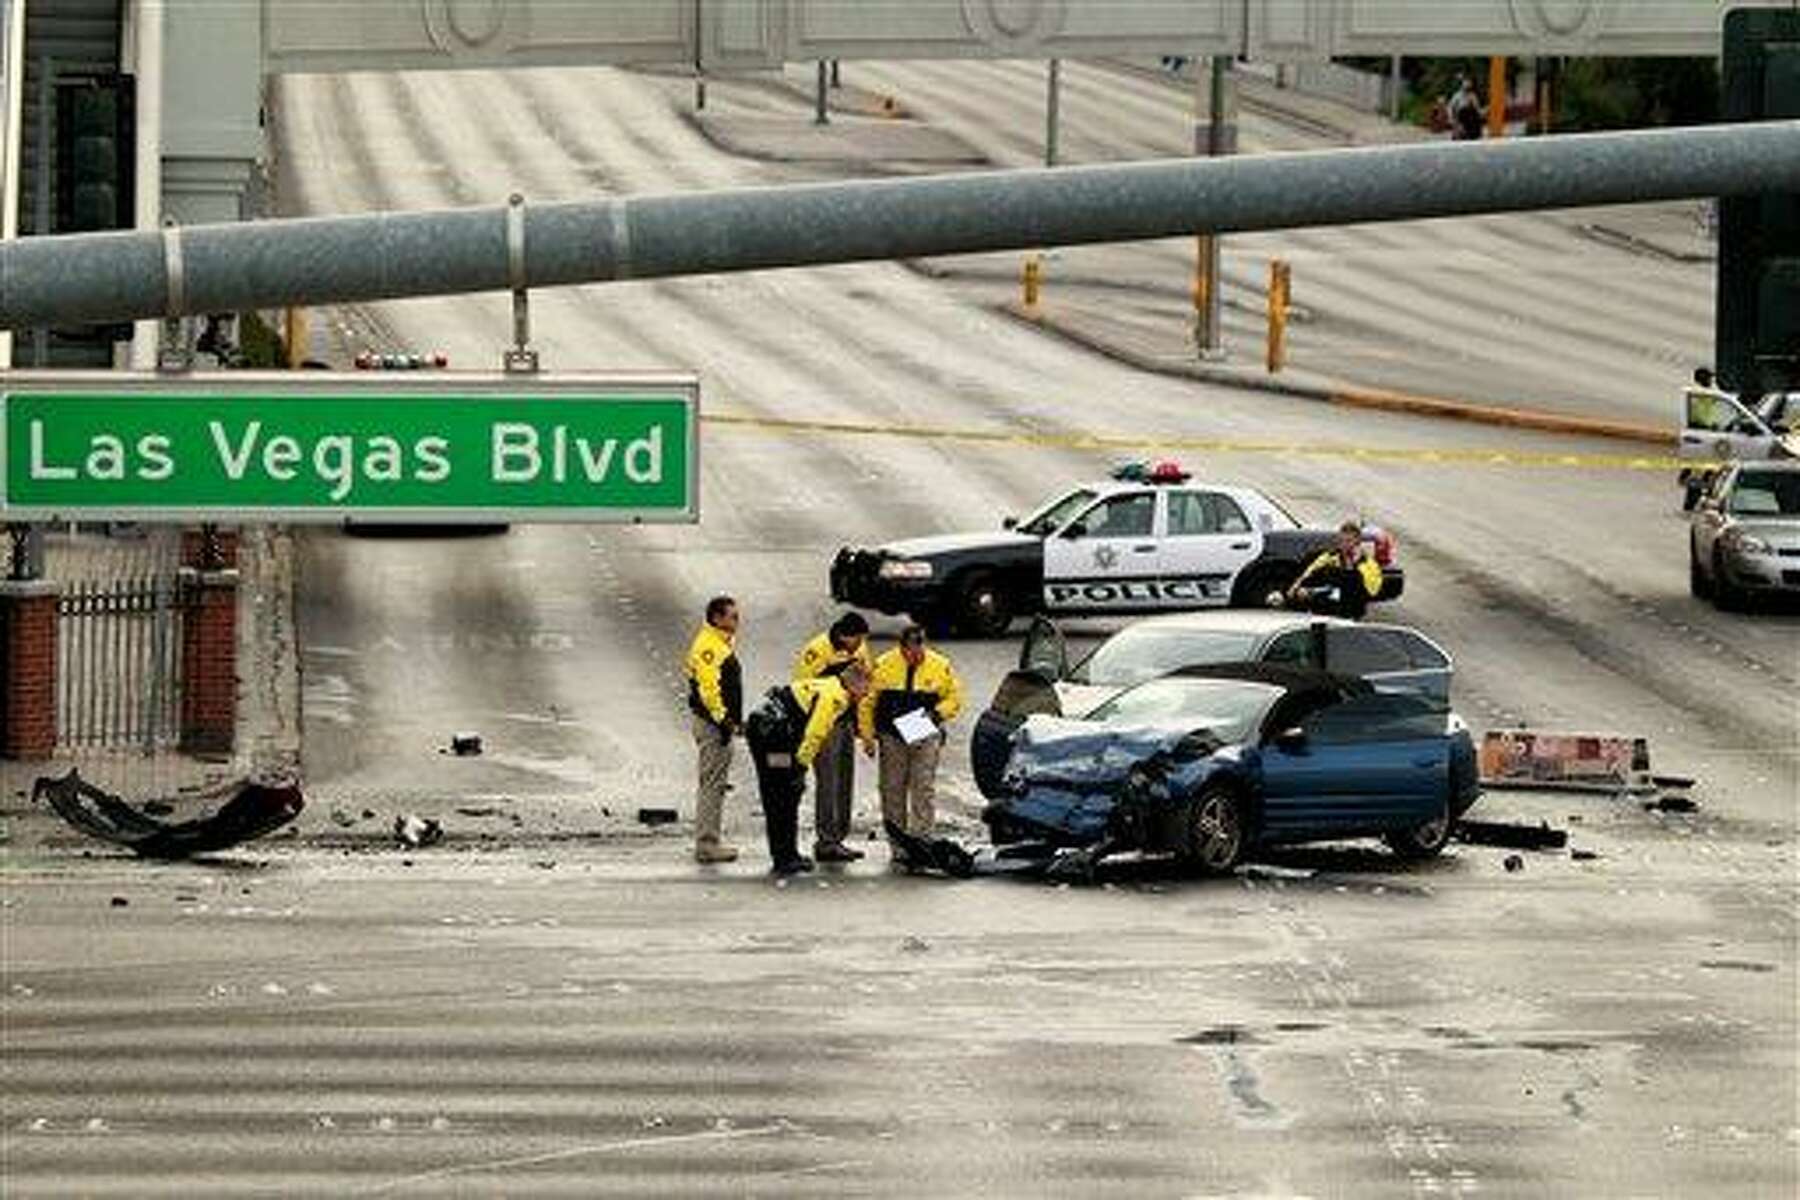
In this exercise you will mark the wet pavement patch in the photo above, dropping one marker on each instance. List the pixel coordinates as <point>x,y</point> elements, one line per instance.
<point>1221,1035</point>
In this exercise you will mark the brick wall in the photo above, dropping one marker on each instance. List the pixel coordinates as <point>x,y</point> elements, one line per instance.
<point>209,662</point>
<point>28,670</point>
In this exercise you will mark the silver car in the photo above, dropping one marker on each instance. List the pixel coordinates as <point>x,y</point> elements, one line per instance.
<point>1392,657</point>
<point>1744,539</point>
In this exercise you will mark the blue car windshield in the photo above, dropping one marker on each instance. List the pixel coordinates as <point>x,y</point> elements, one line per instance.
<point>1231,708</point>
<point>1146,651</point>
<point>1054,515</point>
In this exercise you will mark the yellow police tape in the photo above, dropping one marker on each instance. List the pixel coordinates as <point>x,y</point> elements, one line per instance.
<point>1070,440</point>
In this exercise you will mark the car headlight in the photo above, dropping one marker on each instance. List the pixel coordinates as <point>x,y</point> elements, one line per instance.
<point>900,568</point>
<point>1746,543</point>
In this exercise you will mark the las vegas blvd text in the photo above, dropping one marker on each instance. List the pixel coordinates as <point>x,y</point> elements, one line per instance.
<point>518,453</point>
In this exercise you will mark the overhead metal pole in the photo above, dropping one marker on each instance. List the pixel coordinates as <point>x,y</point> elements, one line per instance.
<point>150,27</point>
<point>1220,140</point>
<point>12,95</point>
<point>124,275</point>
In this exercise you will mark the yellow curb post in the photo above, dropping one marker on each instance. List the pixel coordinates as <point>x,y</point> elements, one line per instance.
<point>1497,96</point>
<point>1280,285</point>
<point>1033,282</point>
<point>294,336</point>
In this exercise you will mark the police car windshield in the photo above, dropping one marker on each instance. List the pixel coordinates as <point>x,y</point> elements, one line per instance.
<point>1144,652</point>
<point>1232,709</point>
<point>1053,516</point>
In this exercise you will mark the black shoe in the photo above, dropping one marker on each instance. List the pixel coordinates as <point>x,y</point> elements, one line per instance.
<point>792,866</point>
<point>837,853</point>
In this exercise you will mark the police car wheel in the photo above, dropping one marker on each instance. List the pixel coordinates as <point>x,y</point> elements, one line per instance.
<point>982,608</point>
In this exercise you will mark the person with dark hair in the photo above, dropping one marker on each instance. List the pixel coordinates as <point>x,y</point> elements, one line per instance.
<point>1467,116</point>
<point>913,694</point>
<point>716,705</point>
<point>845,644</point>
<point>786,733</point>
<point>1346,569</point>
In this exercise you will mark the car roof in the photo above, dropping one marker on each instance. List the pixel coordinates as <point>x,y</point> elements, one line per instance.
<point>1287,678</point>
<point>1784,465</point>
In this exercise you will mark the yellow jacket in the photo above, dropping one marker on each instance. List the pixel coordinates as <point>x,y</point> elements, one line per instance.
<point>715,681</point>
<point>819,657</point>
<point>896,688</point>
<point>824,701</point>
<point>1368,568</point>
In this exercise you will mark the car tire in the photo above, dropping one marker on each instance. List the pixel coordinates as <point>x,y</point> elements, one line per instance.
<point>981,607</point>
<point>1215,832</point>
<point>1726,596</point>
<point>1257,584</point>
<point>1691,491</point>
<point>1698,584</point>
<point>1423,841</point>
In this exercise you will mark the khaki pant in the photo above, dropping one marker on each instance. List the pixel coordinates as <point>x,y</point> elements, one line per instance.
<point>909,783</point>
<point>834,779</point>
<point>714,752</point>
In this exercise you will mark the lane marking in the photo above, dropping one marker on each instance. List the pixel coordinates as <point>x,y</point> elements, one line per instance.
<point>487,1166</point>
<point>1071,440</point>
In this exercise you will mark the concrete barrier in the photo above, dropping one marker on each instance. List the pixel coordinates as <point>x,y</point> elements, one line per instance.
<point>1526,756</point>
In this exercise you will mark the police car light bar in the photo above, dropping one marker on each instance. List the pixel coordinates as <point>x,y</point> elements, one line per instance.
<point>1166,471</point>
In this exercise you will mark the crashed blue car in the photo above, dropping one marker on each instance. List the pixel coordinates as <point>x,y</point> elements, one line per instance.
<point>1209,764</point>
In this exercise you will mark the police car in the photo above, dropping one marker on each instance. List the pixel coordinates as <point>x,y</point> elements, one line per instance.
<point>1148,539</point>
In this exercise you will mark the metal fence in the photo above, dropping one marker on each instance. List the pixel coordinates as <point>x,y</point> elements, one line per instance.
<point>118,670</point>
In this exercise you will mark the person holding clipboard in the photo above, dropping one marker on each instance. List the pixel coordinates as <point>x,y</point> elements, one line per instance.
<point>913,694</point>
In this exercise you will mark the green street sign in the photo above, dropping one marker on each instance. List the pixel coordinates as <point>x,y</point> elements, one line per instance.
<point>255,446</point>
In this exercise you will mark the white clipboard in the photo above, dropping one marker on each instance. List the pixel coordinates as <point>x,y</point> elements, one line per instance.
<point>915,726</point>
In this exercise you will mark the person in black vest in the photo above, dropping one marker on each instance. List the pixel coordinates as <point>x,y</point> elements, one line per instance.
<point>786,733</point>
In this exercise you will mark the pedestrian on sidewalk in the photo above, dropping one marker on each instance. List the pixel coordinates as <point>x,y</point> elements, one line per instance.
<point>786,733</point>
<point>1467,116</point>
<point>829,654</point>
<point>913,694</point>
<point>716,711</point>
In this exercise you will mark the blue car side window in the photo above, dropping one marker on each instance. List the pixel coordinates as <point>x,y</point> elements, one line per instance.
<point>1381,717</point>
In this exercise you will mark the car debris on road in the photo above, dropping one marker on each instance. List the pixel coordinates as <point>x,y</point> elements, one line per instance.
<point>249,810</point>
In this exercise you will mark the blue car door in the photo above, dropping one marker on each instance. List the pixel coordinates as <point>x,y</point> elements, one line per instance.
<point>1364,765</point>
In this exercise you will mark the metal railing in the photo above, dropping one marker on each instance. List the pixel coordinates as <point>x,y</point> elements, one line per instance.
<point>118,665</point>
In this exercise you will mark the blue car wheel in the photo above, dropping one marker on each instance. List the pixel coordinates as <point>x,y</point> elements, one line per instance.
<point>1423,841</point>
<point>1216,835</point>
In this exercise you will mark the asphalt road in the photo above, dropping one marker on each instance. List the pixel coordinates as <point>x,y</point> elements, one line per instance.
<point>547,1011</point>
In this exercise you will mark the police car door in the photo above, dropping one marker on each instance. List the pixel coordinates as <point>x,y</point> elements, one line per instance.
<point>1210,539</point>
<point>1715,426</point>
<point>1107,559</point>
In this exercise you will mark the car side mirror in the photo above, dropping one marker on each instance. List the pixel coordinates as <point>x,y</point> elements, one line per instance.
<point>1292,740</point>
<point>1077,530</point>
<point>1009,523</point>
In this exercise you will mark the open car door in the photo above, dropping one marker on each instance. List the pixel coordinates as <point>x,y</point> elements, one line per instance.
<point>1715,427</point>
<point>1045,650</point>
<point>1022,693</point>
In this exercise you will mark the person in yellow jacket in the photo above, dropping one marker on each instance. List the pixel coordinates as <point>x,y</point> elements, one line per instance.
<point>786,733</point>
<point>716,708</point>
<point>913,694</point>
<point>834,770</point>
<point>1349,568</point>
